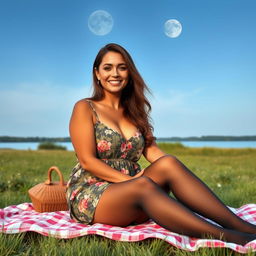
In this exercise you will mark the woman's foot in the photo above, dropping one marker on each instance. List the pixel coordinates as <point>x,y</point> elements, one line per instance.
<point>249,228</point>
<point>244,226</point>
<point>239,237</point>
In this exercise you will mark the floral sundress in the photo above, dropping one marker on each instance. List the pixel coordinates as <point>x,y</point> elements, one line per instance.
<point>83,188</point>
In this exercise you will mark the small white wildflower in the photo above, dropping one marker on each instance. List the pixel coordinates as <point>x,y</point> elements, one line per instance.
<point>218,185</point>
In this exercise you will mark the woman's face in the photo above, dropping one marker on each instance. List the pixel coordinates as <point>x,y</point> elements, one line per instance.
<point>113,72</point>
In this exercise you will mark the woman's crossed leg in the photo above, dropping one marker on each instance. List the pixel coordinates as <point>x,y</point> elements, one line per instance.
<point>124,203</point>
<point>194,194</point>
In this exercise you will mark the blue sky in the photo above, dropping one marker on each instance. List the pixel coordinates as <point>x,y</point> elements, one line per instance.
<point>203,82</point>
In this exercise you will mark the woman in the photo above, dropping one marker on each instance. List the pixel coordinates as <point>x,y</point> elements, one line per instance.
<point>109,132</point>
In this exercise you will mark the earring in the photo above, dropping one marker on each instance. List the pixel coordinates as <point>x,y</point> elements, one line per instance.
<point>98,82</point>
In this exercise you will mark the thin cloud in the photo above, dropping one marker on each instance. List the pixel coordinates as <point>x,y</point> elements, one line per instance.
<point>38,109</point>
<point>172,111</point>
<point>173,100</point>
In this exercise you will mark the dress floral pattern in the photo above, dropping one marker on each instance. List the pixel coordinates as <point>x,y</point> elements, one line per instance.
<point>83,188</point>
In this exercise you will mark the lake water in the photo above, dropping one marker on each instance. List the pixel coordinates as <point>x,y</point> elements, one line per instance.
<point>69,146</point>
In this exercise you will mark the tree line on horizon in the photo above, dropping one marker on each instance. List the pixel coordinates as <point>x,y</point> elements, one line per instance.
<point>34,139</point>
<point>192,138</point>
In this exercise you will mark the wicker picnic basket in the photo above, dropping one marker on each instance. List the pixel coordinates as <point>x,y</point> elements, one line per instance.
<point>49,196</point>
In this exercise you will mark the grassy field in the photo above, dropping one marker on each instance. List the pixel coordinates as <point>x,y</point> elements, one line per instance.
<point>230,173</point>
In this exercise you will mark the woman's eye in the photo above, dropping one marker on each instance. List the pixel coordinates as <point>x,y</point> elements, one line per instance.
<point>122,68</point>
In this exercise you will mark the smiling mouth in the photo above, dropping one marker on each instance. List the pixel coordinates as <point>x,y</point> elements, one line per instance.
<point>115,82</point>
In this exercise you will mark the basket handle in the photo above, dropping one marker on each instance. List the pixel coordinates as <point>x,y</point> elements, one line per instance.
<point>49,180</point>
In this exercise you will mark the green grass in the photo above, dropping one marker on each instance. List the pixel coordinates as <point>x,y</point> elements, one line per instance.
<point>230,173</point>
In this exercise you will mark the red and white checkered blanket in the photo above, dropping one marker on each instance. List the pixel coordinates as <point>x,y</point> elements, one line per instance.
<point>22,217</point>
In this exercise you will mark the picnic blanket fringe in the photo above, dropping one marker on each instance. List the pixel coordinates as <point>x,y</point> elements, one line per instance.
<point>22,218</point>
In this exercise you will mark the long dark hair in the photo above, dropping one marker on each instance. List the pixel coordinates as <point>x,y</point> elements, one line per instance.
<point>133,100</point>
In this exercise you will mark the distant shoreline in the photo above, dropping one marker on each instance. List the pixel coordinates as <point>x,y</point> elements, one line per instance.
<point>159,139</point>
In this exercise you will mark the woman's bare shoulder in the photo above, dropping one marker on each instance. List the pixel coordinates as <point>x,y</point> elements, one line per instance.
<point>82,109</point>
<point>82,104</point>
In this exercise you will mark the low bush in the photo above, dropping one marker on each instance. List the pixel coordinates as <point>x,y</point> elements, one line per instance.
<point>50,146</point>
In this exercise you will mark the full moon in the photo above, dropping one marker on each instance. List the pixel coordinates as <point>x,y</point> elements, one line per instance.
<point>172,28</point>
<point>100,22</point>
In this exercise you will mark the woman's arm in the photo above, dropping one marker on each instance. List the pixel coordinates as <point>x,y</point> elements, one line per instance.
<point>81,130</point>
<point>153,152</point>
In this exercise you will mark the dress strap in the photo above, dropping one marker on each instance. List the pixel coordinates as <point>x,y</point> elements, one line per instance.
<point>93,109</point>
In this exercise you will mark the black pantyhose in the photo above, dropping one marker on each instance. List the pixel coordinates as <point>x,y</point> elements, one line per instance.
<point>122,202</point>
<point>194,194</point>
